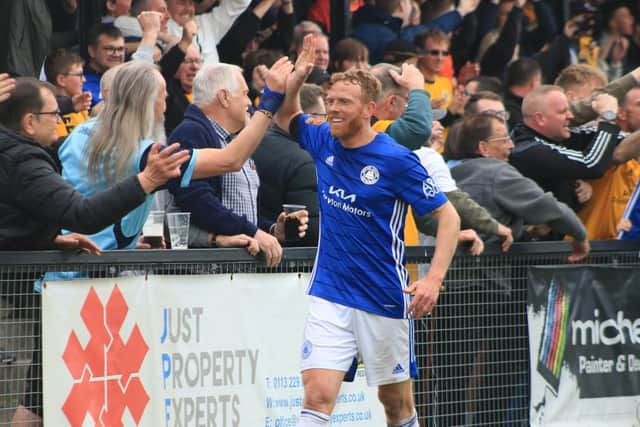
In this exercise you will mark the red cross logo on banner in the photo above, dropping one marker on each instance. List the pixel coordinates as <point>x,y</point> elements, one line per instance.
<point>105,372</point>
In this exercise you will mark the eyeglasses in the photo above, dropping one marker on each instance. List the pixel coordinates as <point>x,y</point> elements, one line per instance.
<point>498,114</point>
<point>500,139</point>
<point>436,52</point>
<point>193,61</point>
<point>112,50</point>
<point>48,113</point>
<point>81,75</point>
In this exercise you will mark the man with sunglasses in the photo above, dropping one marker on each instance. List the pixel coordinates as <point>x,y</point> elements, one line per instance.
<point>433,49</point>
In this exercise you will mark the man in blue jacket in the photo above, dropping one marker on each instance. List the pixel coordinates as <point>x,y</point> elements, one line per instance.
<point>227,204</point>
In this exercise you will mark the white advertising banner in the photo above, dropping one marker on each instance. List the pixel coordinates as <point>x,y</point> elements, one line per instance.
<point>204,350</point>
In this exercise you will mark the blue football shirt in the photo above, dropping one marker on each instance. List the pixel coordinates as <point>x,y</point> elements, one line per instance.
<point>363,197</point>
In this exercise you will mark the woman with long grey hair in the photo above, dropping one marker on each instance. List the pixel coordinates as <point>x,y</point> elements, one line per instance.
<point>117,143</point>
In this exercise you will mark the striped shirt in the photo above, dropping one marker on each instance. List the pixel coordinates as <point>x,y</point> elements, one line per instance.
<point>239,189</point>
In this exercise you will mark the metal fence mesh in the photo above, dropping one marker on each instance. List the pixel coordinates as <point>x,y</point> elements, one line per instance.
<point>472,352</point>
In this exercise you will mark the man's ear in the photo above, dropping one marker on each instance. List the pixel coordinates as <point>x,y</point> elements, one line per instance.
<point>109,4</point>
<point>482,148</point>
<point>92,51</point>
<point>538,118</point>
<point>370,110</point>
<point>61,80</point>
<point>27,125</point>
<point>223,97</point>
<point>622,115</point>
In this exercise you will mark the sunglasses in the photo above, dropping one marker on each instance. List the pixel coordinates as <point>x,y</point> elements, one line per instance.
<point>436,52</point>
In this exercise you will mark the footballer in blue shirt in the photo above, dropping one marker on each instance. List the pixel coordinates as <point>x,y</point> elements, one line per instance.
<point>361,300</point>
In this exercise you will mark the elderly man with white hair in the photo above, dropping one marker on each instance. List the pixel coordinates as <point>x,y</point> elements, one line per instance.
<point>226,204</point>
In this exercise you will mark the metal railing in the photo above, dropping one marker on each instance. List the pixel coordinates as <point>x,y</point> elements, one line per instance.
<point>472,351</point>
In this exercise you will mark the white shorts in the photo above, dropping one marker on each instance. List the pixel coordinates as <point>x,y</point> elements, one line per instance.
<point>334,334</point>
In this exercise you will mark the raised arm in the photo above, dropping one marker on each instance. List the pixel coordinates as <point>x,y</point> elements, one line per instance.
<point>413,128</point>
<point>304,64</point>
<point>212,161</point>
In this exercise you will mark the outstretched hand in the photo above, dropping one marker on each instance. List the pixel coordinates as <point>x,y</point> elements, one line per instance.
<point>162,166</point>
<point>304,63</point>
<point>277,76</point>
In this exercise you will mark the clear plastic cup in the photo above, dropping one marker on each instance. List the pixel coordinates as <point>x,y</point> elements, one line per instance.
<point>179,229</point>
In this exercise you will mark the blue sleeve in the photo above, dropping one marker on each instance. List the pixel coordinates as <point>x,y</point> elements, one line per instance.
<point>414,185</point>
<point>310,137</point>
<point>186,170</point>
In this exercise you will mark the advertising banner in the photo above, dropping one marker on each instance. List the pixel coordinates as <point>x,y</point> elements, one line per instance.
<point>584,339</point>
<point>197,350</point>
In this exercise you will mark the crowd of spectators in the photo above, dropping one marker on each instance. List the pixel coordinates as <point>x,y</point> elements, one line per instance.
<point>526,117</point>
<point>562,85</point>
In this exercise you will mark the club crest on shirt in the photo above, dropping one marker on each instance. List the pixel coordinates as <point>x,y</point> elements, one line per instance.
<point>429,188</point>
<point>369,175</point>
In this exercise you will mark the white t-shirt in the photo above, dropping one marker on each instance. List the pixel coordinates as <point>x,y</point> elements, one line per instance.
<point>437,168</point>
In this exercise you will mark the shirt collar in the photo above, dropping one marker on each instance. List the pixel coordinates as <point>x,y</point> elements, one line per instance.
<point>221,132</point>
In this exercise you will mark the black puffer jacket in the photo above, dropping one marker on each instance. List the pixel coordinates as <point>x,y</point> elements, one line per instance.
<point>35,202</point>
<point>287,175</point>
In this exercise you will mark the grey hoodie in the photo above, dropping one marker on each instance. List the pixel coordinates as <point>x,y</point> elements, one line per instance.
<point>514,200</point>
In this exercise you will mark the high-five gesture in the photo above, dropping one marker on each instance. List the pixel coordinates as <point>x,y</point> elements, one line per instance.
<point>304,63</point>
<point>277,75</point>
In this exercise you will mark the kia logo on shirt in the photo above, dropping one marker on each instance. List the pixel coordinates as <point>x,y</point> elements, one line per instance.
<point>339,192</point>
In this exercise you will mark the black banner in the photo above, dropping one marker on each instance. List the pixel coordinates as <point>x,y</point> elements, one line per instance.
<point>584,330</point>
